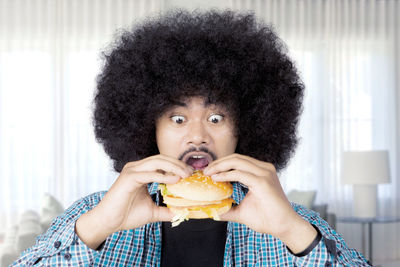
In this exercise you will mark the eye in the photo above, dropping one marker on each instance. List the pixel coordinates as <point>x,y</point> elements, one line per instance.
<point>178,119</point>
<point>215,118</point>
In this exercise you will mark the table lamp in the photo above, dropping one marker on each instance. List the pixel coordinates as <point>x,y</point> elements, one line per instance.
<point>365,170</point>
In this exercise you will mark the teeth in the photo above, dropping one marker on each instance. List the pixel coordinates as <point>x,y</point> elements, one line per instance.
<point>198,157</point>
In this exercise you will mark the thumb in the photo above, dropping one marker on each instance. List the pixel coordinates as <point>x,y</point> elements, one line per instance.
<point>162,214</point>
<point>232,215</point>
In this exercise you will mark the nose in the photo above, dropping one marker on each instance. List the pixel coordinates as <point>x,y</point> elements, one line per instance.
<point>197,133</point>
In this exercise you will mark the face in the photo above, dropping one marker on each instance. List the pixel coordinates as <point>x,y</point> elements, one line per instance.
<point>196,133</point>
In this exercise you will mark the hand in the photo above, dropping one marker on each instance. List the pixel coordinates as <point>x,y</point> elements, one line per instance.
<point>265,207</point>
<point>128,205</point>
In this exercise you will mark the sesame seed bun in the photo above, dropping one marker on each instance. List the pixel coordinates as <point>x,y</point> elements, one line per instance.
<point>201,188</point>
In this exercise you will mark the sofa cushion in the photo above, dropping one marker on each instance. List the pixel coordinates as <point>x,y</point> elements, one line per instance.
<point>322,210</point>
<point>24,232</point>
<point>50,209</point>
<point>28,215</point>
<point>10,235</point>
<point>29,228</point>
<point>8,255</point>
<point>304,198</point>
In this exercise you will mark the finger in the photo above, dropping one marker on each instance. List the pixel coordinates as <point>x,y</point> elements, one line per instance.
<point>151,177</point>
<point>159,156</point>
<point>157,164</point>
<point>233,215</point>
<point>246,178</point>
<point>162,214</point>
<point>234,163</point>
<point>172,160</point>
<point>259,163</point>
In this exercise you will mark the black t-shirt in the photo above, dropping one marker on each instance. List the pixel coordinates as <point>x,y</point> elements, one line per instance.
<point>197,242</point>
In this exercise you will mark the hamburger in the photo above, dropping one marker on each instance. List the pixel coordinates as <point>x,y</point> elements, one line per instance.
<point>197,197</point>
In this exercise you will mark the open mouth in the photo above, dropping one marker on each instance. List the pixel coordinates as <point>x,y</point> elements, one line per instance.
<point>198,162</point>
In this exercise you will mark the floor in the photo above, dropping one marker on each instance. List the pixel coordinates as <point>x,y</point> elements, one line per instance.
<point>388,264</point>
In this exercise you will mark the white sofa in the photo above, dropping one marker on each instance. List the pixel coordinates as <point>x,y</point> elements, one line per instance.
<point>22,235</point>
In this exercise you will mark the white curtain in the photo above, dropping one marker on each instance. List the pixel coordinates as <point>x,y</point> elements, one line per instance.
<point>347,51</point>
<point>49,59</point>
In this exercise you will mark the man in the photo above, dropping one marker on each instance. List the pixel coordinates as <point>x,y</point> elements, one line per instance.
<point>217,85</point>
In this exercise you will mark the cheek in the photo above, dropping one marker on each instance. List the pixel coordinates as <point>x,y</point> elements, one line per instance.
<point>226,142</point>
<point>231,146</point>
<point>167,142</point>
<point>234,144</point>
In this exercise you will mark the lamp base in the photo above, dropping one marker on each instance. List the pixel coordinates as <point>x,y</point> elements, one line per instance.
<point>364,201</point>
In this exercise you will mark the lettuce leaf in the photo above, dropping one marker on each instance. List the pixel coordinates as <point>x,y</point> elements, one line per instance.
<point>181,216</point>
<point>164,190</point>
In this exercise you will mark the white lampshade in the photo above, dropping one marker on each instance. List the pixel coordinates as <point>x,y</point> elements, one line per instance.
<point>366,167</point>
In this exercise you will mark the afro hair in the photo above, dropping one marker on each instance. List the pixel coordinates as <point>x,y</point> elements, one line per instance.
<point>226,56</point>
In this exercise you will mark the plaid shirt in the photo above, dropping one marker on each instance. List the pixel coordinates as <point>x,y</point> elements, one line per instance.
<point>60,246</point>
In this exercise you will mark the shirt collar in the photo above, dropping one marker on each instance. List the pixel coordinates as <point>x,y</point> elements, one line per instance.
<point>239,192</point>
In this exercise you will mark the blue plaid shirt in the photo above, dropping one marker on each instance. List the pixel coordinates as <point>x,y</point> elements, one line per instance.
<point>60,246</point>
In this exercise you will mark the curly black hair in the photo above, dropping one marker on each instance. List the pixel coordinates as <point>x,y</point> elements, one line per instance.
<point>227,57</point>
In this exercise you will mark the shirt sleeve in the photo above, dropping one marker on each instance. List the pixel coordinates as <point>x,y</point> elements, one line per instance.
<point>331,250</point>
<point>60,246</point>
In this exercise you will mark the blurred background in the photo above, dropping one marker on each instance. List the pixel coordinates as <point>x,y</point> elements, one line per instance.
<point>347,52</point>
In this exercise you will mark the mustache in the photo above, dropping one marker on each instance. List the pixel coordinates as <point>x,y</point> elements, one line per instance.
<point>199,149</point>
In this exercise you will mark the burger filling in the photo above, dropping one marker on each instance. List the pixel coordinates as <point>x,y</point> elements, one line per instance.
<point>210,210</point>
<point>164,190</point>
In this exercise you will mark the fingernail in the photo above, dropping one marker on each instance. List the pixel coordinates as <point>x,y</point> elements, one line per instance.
<point>214,176</point>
